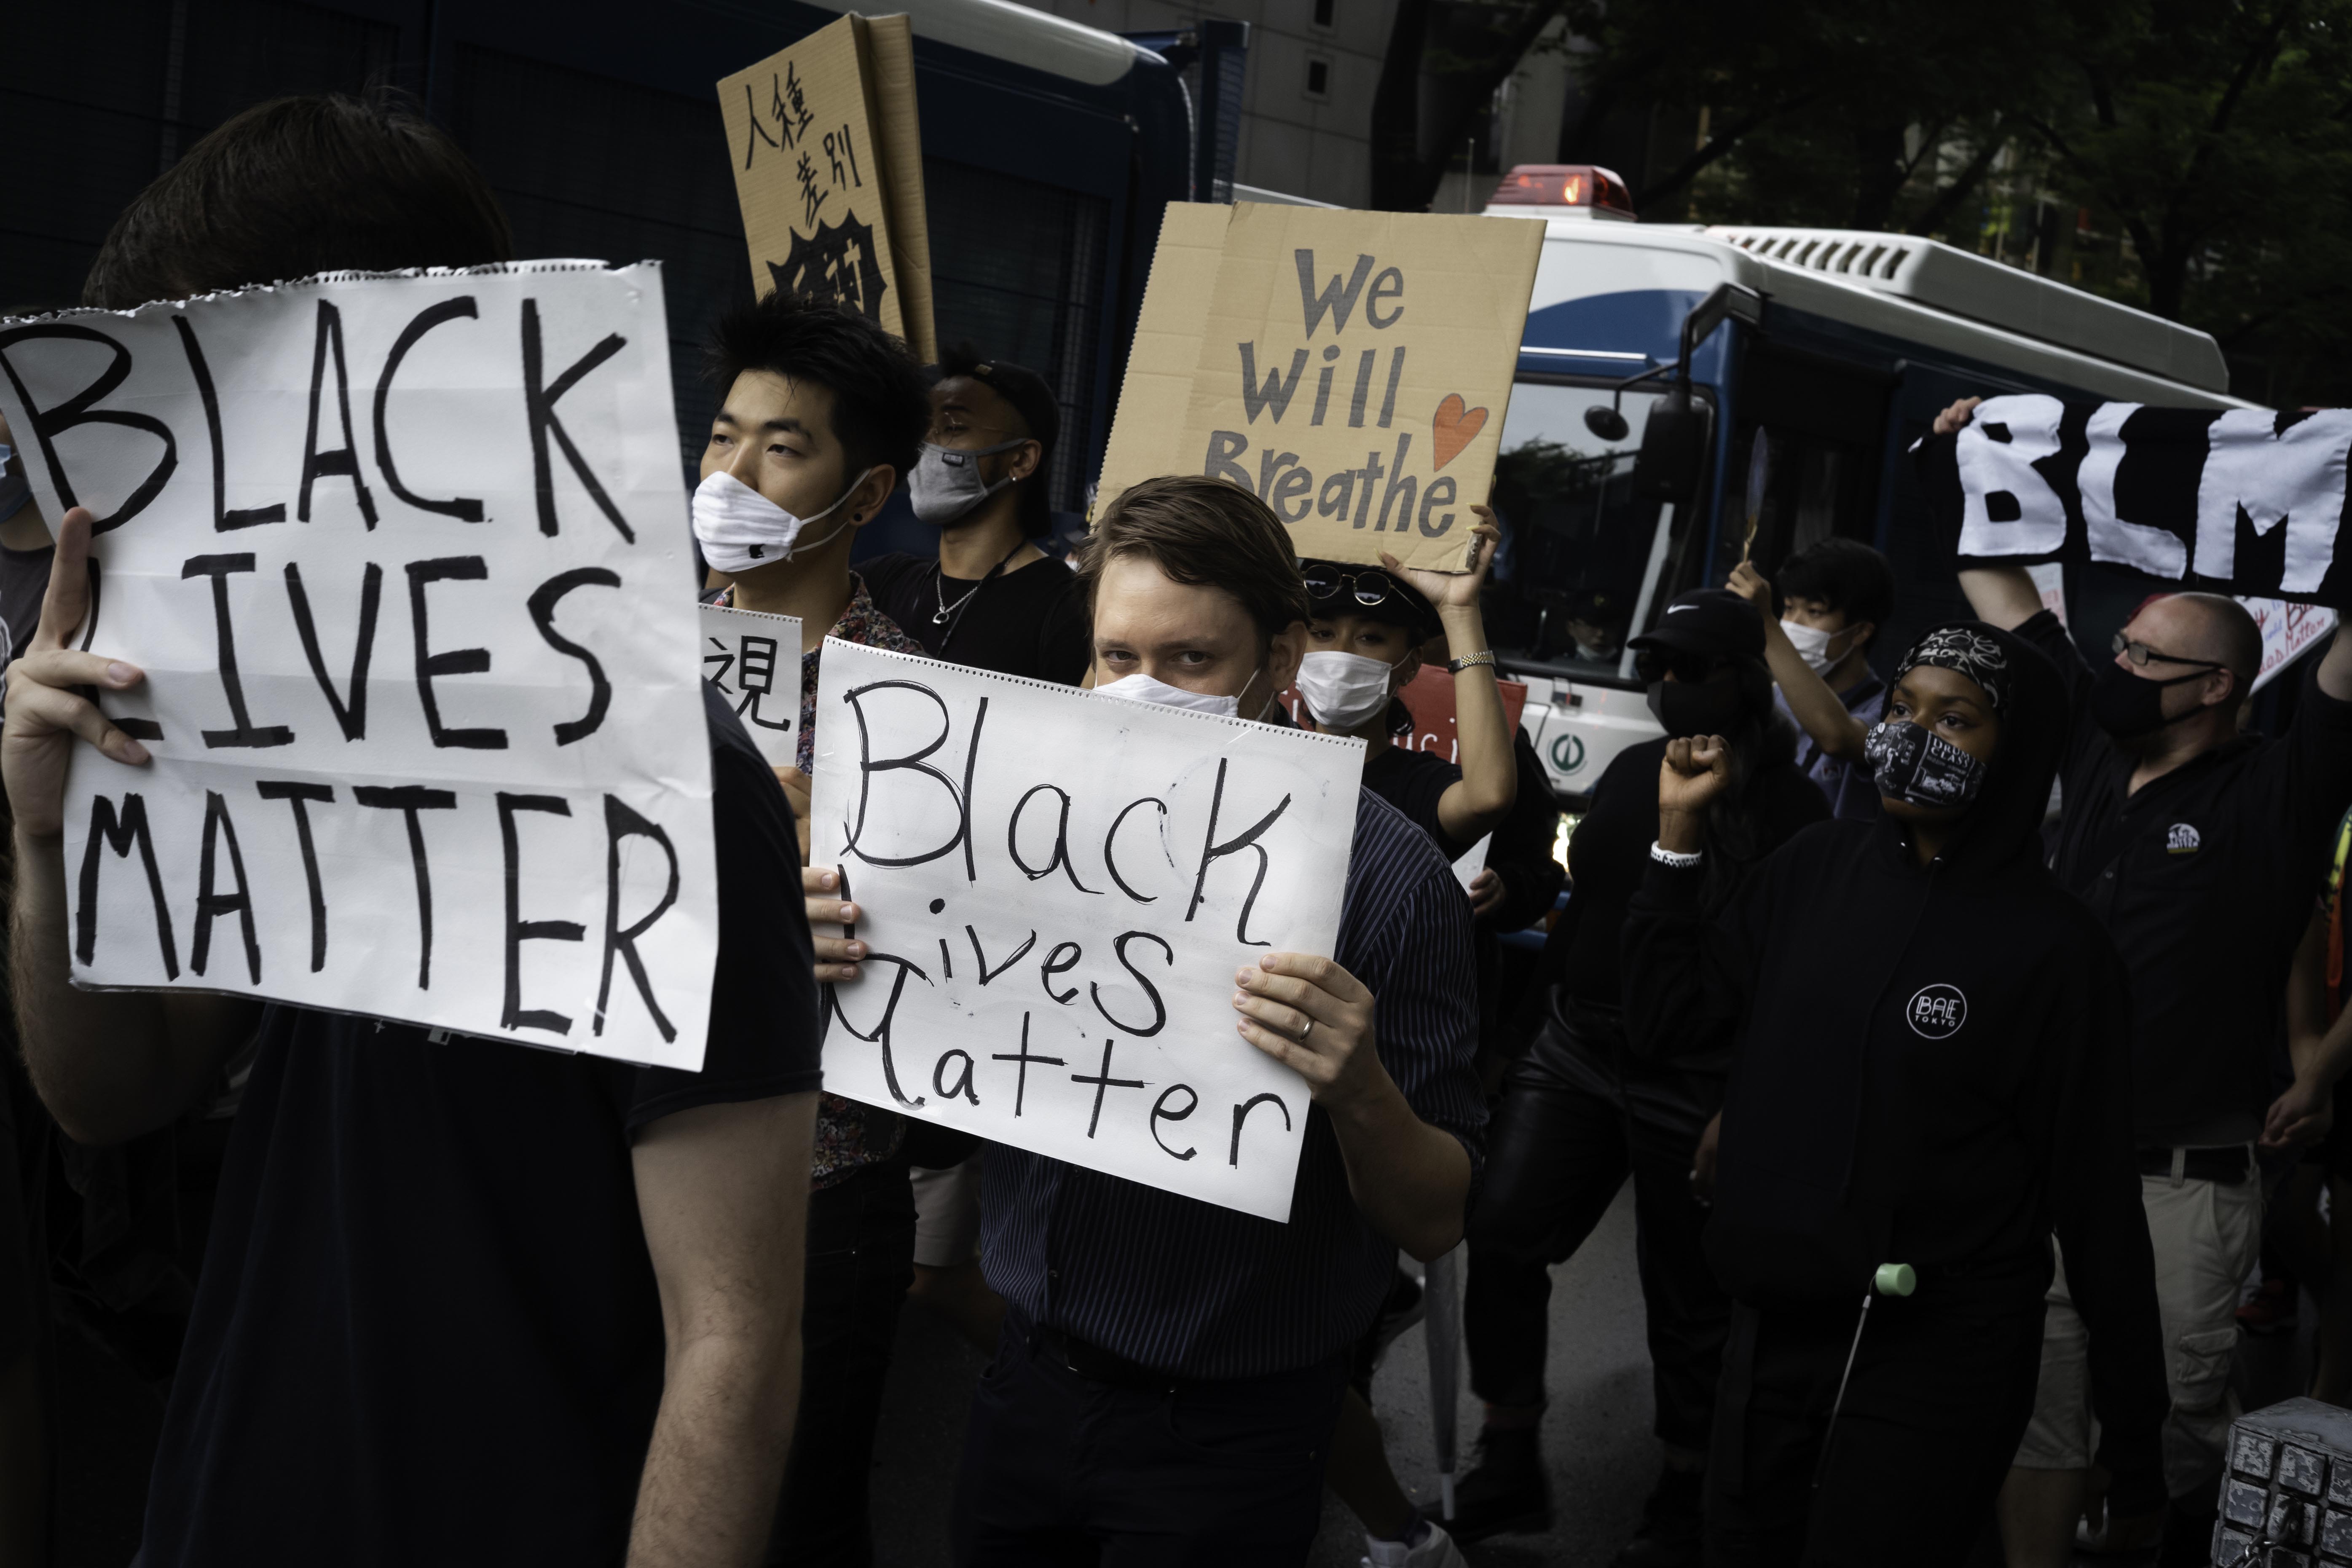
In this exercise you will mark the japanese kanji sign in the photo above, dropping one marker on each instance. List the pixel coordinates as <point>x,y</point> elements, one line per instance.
<point>829,173</point>
<point>753,661</point>
<point>1350,369</point>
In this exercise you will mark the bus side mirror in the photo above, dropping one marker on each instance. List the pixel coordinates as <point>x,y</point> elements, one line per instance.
<point>1674,448</point>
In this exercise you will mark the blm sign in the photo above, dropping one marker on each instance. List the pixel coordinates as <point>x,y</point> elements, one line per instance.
<point>404,559</point>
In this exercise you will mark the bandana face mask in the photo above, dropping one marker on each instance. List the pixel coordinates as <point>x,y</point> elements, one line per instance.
<point>740,529</point>
<point>1909,763</point>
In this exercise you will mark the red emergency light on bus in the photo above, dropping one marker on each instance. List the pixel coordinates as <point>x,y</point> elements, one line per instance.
<point>1587,185</point>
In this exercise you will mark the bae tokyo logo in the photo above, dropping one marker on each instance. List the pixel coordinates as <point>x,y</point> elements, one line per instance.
<point>1936,1013</point>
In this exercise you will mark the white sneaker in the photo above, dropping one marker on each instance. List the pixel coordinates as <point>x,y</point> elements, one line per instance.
<point>1436,1551</point>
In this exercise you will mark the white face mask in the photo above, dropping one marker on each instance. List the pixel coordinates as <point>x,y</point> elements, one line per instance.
<point>1343,689</point>
<point>1141,688</point>
<point>740,528</point>
<point>1812,645</point>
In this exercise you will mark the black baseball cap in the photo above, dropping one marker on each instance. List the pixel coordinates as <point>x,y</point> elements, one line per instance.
<point>1706,623</point>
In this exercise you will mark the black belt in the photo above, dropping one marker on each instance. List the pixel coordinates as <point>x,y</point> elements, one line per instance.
<point>2229,1164</point>
<point>1097,1364</point>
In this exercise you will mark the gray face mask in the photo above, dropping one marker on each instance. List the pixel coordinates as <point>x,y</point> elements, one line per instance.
<point>946,483</point>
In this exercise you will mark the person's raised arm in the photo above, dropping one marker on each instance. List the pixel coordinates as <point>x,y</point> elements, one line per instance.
<point>114,1064</point>
<point>2003,595</point>
<point>2320,1052</point>
<point>723,1191</point>
<point>1412,1180</point>
<point>1821,712</point>
<point>1476,804</point>
<point>2336,664</point>
<point>1686,974</point>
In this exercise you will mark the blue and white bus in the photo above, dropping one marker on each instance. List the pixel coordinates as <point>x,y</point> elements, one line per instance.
<point>1836,352</point>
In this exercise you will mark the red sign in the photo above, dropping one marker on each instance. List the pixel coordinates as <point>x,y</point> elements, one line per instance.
<point>1430,700</point>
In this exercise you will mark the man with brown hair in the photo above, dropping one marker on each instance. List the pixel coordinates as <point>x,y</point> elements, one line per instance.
<point>1170,1372</point>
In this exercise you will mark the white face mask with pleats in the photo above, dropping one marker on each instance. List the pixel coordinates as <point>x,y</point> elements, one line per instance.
<point>1142,688</point>
<point>1343,689</point>
<point>740,529</point>
<point>1812,645</point>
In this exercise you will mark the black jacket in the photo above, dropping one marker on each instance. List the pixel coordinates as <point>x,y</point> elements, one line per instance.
<point>1932,1066</point>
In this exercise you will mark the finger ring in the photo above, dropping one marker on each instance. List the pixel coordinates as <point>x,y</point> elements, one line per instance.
<point>1307,1031</point>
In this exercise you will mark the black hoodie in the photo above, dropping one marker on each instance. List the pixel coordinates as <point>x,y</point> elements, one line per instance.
<point>1931,1066</point>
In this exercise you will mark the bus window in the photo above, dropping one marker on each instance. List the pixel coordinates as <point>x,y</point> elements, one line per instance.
<point>1577,545</point>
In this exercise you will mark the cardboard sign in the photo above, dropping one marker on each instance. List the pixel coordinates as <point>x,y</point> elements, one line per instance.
<point>753,659</point>
<point>2241,500</point>
<point>403,558</point>
<point>1056,889</point>
<point>829,173</point>
<point>1350,369</point>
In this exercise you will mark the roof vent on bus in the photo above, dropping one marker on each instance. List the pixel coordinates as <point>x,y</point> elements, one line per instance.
<point>1572,189</point>
<point>1928,272</point>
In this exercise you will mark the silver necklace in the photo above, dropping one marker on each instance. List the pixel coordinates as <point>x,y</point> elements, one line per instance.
<point>940,591</point>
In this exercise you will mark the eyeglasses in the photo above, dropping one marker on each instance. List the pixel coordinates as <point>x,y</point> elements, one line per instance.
<point>1366,587</point>
<point>2140,654</point>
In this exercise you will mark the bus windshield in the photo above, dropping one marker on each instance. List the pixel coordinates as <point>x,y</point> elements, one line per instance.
<point>1578,546</point>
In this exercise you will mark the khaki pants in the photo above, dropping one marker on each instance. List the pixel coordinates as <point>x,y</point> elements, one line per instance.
<point>2206,1235</point>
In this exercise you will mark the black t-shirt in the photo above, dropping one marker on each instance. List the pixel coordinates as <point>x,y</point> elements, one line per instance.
<point>2204,879</point>
<point>24,579</point>
<point>1413,782</point>
<point>1611,853</point>
<point>1030,621</point>
<point>428,1329</point>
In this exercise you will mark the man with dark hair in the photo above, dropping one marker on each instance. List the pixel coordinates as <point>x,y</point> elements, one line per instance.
<point>821,411</point>
<point>990,597</point>
<point>1834,597</point>
<point>466,1301</point>
<point>2200,850</point>
<point>1170,1372</point>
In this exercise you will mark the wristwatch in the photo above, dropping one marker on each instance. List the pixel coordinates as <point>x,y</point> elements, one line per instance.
<point>1456,667</point>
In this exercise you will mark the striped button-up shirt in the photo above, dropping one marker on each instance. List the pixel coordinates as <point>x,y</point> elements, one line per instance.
<point>1196,1289</point>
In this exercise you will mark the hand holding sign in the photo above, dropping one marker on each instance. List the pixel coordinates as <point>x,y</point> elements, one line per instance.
<point>1315,1018</point>
<point>45,714</point>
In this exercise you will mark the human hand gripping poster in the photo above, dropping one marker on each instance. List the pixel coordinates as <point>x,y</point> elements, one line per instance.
<point>1056,889</point>
<point>405,560</point>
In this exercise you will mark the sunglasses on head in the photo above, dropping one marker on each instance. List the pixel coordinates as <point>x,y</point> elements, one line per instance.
<point>1366,586</point>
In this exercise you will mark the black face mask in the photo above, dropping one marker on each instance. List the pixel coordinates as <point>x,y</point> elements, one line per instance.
<point>2127,706</point>
<point>1696,708</point>
<point>1909,762</point>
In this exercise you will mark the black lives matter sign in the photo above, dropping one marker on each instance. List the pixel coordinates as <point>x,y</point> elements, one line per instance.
<point>406,560</point>
<point>1057,889</point>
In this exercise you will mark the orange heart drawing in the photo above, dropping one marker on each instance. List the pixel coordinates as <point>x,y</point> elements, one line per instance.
<point>1454,427</point>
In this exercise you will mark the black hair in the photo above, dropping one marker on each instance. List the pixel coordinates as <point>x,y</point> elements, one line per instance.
<point>964,358</point>
<point>328,182</point>
<point>880,409</point>
<point>1845,574</point>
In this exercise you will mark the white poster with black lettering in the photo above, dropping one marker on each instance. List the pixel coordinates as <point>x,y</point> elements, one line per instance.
<point>406,560</point>
<point>1057,890</point>
<point>753,660</point>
